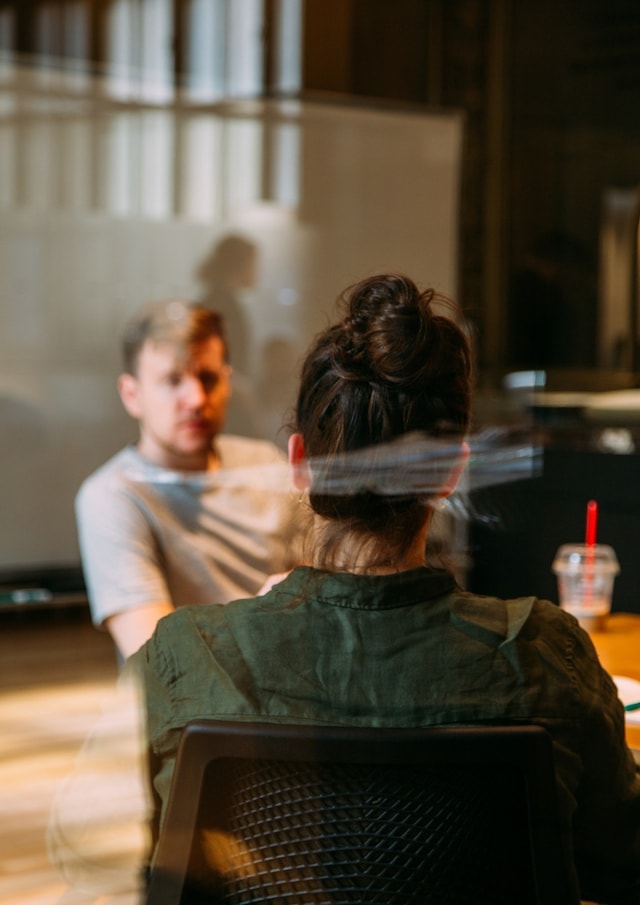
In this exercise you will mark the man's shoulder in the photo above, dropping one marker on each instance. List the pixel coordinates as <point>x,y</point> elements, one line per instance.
<point>237,452</point>
<point>110,474</point>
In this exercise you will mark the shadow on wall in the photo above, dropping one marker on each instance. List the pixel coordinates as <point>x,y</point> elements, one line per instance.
<point>231,267</point>
<point>278,382</point>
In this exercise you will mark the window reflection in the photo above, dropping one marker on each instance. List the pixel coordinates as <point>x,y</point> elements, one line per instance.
<point>61,40</point>
<point>139,57</point>
<point>155,152</point>
<point>7,34</point>
<point>224,49</point>
<point>76,151</point>
<point>285,179</point>
<point>288,46</point>
<point>244,155</point>
<point>202,152</point>
<point>8,153</point>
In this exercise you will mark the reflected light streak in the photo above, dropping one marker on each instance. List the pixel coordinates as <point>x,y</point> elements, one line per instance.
<point>412,464</point>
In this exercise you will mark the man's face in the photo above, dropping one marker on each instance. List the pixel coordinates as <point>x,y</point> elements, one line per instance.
<point>180,402</point>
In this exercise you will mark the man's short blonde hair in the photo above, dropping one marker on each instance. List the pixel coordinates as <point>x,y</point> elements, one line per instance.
<point>177,323</point>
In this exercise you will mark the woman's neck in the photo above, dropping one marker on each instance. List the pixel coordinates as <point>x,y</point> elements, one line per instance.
<point>362,558</point>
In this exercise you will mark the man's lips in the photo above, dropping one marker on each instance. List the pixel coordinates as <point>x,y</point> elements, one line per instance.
<point>199,425</point>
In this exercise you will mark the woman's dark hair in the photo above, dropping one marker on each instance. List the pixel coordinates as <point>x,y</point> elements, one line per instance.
<point>392,367</point>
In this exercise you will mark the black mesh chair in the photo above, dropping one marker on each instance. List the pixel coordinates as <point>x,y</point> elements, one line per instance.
<point>287,814</point>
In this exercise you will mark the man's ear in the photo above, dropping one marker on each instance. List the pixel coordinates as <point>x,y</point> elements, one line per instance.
<point>454,475</point>
<point>128,390</point>
<point>299,466</point>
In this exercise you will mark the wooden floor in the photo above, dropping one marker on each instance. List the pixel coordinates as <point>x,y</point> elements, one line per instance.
<point>55,672</point>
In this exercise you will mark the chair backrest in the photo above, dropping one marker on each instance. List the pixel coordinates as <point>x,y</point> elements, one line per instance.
<point>359,816</point>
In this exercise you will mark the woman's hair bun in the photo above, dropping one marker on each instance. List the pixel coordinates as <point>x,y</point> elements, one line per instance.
<point>391,366</point>
<point>386,330</point>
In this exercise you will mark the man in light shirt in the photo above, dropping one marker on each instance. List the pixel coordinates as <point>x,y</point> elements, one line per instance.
<point>188,515</point>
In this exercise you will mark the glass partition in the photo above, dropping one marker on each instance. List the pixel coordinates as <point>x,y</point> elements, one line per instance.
<point>105,205</point>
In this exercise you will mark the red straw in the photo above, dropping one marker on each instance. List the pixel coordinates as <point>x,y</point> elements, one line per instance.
<point>592,523</point>
<point>590,537</point>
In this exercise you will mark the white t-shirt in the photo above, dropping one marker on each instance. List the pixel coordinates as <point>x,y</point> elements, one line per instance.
<point>149,534</point>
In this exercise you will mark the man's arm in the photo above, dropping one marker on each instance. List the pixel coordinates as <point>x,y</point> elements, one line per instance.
<point>126,585</point>
<point>131,628</point>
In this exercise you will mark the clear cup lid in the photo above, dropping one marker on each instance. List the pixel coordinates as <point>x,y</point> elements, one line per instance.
<point>572,557</point>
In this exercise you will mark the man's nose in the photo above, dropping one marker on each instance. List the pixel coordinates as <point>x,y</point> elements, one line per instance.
<point>194,391</point>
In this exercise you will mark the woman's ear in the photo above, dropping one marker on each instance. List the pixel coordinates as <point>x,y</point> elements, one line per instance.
<point>454,475</point>
<point>299,466</point>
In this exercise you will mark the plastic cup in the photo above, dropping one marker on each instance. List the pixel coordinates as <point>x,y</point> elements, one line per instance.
<point>585,582</point>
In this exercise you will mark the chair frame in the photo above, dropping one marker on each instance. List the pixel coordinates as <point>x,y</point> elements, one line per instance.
<point>525,746</point>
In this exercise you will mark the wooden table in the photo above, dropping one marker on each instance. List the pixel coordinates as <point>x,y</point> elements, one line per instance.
<point>618,647</point>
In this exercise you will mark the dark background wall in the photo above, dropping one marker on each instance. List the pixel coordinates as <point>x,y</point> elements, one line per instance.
<point>550,92</point>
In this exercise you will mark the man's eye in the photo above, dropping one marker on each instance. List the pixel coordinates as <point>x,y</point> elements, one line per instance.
<point>174,380</point>
<point>209,381</point>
